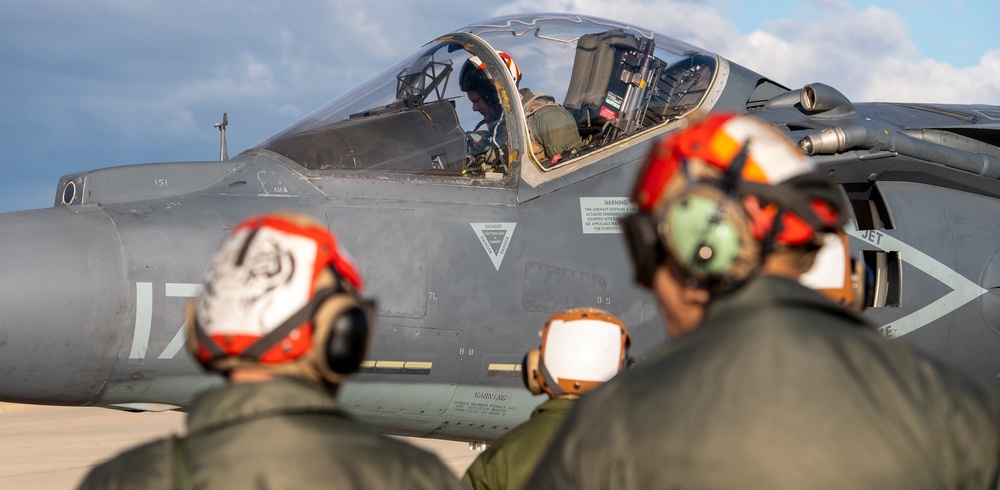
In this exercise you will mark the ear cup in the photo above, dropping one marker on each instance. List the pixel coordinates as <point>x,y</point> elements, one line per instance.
<point>708,233</point>
<point>627,361</point>
<point>345,349</point>
<point>644,246</point>
<point>530,373</point>
<point>342,325</point>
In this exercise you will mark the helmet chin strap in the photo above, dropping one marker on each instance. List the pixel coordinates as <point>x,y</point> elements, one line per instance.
<point>733,175</point>
<point>728,185</point>
<point>263,344</point>
<point>549,380</point>
<point>299,368</point>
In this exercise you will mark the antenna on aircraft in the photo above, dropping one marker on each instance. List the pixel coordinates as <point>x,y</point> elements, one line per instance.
<point>223,151</point>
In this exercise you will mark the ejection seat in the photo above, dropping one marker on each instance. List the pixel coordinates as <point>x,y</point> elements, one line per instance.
<point>589,98</point>
<point>619,88</point>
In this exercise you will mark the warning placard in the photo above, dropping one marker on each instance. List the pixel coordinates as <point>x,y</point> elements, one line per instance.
<point>495,237</point>
<point>600,214</point>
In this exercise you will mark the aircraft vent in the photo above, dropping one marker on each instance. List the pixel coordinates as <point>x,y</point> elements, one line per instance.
<point>69,193</point>
<point>819,98</point>
<point>885,278</point>
<point>883,269</point>
<point>868,205</point>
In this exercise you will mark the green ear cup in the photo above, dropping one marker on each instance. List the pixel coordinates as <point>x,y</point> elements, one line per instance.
<point>703,235</point>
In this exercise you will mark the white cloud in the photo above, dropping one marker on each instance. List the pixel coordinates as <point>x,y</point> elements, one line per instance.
<point>867,54</point>
<point>933,81</point>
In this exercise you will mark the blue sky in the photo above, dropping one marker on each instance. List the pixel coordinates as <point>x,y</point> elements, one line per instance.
<point>958,33</point>
<point>110,82</point>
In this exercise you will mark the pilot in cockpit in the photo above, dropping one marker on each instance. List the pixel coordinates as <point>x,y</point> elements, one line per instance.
<point>553,130</point>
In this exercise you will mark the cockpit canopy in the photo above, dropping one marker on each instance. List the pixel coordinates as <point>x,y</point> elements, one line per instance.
<point>615,81</point>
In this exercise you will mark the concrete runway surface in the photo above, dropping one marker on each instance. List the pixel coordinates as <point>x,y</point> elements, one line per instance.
<point>54,447</point>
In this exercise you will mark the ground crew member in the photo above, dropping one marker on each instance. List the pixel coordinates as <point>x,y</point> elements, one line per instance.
<point>281,317</point>
<point>581,349</point>
<point>765,382</point>
<point>553,130</point>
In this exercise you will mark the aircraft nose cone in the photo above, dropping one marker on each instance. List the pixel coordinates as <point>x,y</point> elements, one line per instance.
<point>62,281</point>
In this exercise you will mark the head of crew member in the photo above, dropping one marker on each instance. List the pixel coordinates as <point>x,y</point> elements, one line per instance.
<point>765,383</point>
<point>480,88</point>
<point>553,130</point>
<point>722,201</point>
<point>580,349</point>
<point>281,316</point>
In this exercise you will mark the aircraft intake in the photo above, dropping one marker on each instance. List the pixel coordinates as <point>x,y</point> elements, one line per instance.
<point>59,346</point>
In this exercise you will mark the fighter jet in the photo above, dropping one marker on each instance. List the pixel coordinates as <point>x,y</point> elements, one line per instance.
<point>469,241</point>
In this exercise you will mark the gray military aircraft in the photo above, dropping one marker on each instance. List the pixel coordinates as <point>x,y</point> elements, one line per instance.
<point>468,242</point>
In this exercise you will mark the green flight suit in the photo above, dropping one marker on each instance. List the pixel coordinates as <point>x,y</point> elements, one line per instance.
<point>780,389</point>
<point>552,128</point>
<point>509,461</point>
<point>283,433</point>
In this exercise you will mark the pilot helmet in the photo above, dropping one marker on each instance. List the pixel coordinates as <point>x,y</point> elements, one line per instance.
<point>280,294</point>
<point>474,77</point>
<point>581,349</point>
<point>721,193</point>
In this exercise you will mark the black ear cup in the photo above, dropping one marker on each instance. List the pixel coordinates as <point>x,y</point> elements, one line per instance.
<point>342,323</point>
<point>529,371</point>
<point>627,360</point>
<point>644,246</point>
<point>348,341</point>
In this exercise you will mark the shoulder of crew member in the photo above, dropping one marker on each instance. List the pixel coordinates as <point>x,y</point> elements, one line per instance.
<point>966,411</point>
<point>239,403</point>
<point>769,291</point>
<point>973,421</point>
<point>229,424</point>
<point>971,409</point>
<point>423,470</point>
<point>148,466</point>
<point>585,453</point>
<point>484,473</point>
<point>502,464</point>
<point>554,129</point>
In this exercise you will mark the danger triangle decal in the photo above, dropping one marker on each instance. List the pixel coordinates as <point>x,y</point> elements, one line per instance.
<point>495,237</point>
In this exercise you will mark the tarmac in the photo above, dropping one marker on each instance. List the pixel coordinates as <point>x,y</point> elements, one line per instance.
<point>45,447</point>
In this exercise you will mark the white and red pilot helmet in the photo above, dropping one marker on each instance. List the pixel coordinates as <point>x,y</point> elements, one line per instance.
<point>280,294</point>
<point>581,349</point>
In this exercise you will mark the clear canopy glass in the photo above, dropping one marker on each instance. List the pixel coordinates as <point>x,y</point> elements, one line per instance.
<point>616,81</point>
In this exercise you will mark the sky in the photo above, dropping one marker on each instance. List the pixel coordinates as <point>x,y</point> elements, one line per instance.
<point>102,83</point>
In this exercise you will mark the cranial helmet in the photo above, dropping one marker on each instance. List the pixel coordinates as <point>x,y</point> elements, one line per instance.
<point>279,294</point>
<point>721,193</point>
<point>581,348</point>
<point>474,77</point>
